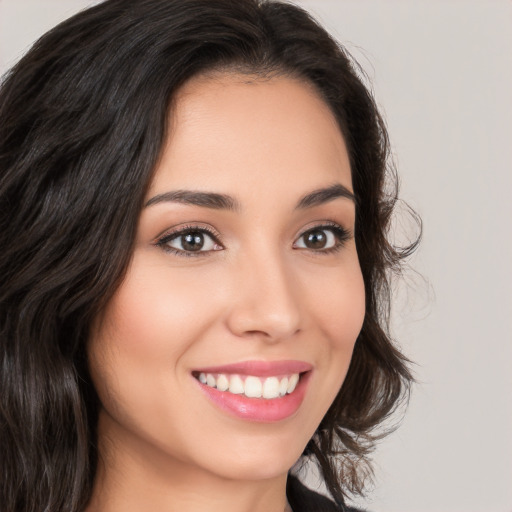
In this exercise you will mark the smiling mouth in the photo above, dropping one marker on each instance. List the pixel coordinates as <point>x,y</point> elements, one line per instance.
<point>251,386</point>
<point>260,391</point>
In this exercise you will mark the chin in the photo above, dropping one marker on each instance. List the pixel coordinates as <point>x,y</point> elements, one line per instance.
<point>262,468</point>
<point>264,457</point>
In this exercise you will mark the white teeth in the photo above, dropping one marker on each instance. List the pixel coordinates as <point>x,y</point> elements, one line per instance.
<point>252,387</point>
<point>236,385</point>
<point>222,382</point>
<point>283,386</point>
<point>292,383</point>
<point>270,388</point>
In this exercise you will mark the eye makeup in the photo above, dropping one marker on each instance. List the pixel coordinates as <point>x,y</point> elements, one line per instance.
<point>316,234</point>
<point>329,237</point>
<point>190,233</point>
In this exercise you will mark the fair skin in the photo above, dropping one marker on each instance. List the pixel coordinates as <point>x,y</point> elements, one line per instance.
<point>262,277</point>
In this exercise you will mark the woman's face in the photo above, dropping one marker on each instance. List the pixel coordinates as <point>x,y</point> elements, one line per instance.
<point>244,277</point>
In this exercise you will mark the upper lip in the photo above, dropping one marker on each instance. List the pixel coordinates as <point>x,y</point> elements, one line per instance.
<point>259,368</point>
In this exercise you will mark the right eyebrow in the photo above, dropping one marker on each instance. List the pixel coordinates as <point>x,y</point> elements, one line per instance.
<point>204,199</point>
<point>324,195</point>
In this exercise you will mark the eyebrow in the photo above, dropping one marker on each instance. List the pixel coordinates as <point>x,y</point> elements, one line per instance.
<point>205,199</point>
<point>218,201</point>
<point>324,195</point>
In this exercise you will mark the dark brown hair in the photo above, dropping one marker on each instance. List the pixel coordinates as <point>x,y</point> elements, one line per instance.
<point>83,118</point>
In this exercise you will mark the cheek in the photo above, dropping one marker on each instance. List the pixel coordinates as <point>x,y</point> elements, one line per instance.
<point>337,302</point>
<point>143,334</point>
<point>151,317</point>
<point>338,311</point>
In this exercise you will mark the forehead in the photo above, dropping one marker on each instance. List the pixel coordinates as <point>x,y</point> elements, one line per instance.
<point>244,134</point>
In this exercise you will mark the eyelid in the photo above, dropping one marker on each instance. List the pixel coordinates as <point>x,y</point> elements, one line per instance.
<point>177,231</point>
<point>188,226</point>
<point>325,224</point>
<point>341,234</point>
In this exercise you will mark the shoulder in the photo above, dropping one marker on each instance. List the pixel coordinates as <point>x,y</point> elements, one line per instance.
<point>303,499</point>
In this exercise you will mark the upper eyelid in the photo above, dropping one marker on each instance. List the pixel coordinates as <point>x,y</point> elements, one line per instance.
<point>171,233</point>
<point>326,225</point>
<point>179,230</point>
<point>176,232</point>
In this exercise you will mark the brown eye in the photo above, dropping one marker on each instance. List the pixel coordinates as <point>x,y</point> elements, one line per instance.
<point>317,239</point>
<point>192,241</point>
<point>322,238</point>
<point>189,241</point>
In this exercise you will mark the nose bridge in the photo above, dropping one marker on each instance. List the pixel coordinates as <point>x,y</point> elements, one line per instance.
<point>266,300</point>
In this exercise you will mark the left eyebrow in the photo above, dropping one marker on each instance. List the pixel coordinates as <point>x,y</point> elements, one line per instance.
<point>324,195</point>
<point>204,199</point>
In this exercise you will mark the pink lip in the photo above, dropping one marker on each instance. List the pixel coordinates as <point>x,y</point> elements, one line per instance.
<point>259,409</point>
<point>260,368</point>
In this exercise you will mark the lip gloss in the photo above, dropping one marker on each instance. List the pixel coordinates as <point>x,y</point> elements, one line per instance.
<point>259,409</point>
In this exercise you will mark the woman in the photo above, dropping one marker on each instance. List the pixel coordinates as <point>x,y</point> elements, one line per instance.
<point>194,265</point>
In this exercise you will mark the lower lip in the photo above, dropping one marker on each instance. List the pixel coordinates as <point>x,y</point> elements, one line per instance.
<point>259,409</point>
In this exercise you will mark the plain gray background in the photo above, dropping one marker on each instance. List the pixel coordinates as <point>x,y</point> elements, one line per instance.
<point>441,71</point>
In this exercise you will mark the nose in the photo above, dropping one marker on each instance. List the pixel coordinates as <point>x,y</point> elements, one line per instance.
<point>265,300</point>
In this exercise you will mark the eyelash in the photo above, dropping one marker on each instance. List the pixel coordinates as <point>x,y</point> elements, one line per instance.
<point>341,234</point>
<point>168,237</point>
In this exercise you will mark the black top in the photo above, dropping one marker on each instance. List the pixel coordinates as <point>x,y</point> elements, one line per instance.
<point>302,499</point>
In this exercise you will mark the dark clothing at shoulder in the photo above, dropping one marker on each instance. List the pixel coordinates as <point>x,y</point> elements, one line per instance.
<point>302,499</point>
